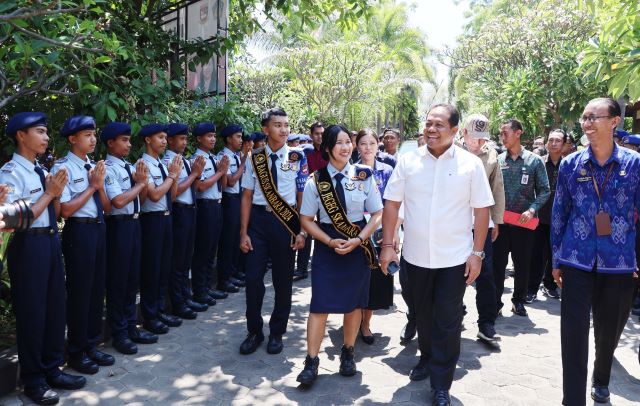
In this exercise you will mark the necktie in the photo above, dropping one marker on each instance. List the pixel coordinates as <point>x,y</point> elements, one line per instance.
<point>50,208</point>
<point>274,168</point>
<point>235,157</point>
<point>136,201</point>
<point>215,169</point>
<point>340,190</point>
<point>96,197</point>
<point>164,177</point>
<point>188,169</point>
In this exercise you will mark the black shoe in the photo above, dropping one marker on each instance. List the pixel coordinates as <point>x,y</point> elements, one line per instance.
<point>66,381</point>
<point>487,332</point>
<point>310,372</point>
<point>101,358</point>
<point>41,395</point>
<point>83,364</point>
<point>408,332</point>
<point>531,297</point>
<point>240,275</point>
<point>251,343</point>
<point>205,300</point>
<point>367,339</point>
<point>600,394</point>
<point>440,397</point>
<point>217,294</point>
<point>196,307</point>
<point>228,287</point>
<point>169,320</point>
<point>421,371</point>
<point>142,337</point>
<point>552,293</point>
<point>274,346</point>
<point>124,346</point>
<point>155,326</point>
<point>347,363</point>
<point>239,283</point>
<point>185,312</point>
<point>298,276</point>
<point>518,308</point>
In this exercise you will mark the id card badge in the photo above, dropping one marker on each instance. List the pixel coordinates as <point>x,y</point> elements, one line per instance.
<point>603,224</point>
<point>525,179</point>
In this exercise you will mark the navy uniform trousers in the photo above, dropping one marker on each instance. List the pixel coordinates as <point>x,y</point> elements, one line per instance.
<point>302,260</point>
<point>207,236</point>
<point>609,297</point>
<point>84,248</point>
<point>270,239</point>
<point>184,229</point>
<point>486,286</point>
<point>123,274</point>
<point>229,249</point>
<point>37,290</point>
<point>156,262</point>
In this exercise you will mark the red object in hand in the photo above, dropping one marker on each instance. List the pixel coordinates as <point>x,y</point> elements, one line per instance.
<point>513,218</point>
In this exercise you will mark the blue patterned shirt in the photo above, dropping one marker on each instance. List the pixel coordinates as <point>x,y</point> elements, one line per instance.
<point>573,231</point>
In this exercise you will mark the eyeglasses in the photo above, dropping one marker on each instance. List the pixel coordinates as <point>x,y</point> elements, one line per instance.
<point>591,119</point>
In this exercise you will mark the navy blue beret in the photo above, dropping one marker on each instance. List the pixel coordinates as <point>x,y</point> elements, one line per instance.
<point>21,121</point>
<point>258,136</point>
<point>231,129</point>
<point>633,139</point>
<point>177,129</point>
<point>620,134</point>
<point>152,129</point>
<point>293,137</point>
<point>203,128</point>
<point>77,123</point>
<point>112,130</point>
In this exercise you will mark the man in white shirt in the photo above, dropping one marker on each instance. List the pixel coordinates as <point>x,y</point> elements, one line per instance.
<point>438,183</point>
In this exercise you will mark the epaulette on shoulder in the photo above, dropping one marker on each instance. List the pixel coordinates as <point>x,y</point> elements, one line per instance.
<point>363,172</point>
<point>8,167</point>
<point>61,160</point>
<point>295,155</point>
<point>108,162</point>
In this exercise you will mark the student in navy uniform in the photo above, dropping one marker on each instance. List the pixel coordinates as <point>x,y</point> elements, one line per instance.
<point>184,224</point>
<point>126,187</point>
<point>341,269</point>
<point>209,214</point>
<point>156,226</point>
<point>263,236</point>
<point>83,204</point>
<point>37,281</point>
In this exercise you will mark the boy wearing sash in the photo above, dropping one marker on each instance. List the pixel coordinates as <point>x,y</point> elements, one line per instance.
<point>270,227</point>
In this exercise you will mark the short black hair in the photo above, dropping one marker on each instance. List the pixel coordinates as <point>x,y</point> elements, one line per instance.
<point>329,139</point>
<point>315,125</point>
<point>276,111</point>
<point>392,130</point>
<point>565,136</point>
<point>514,124</point>
<point>454,114</point>
<point>612,105</point>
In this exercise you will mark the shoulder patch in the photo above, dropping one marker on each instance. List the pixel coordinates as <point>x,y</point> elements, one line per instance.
<point>363,172</point>
<point>62,160</point>
<point>108,162</point>
<point>8,167</point>
<point>295,156</point>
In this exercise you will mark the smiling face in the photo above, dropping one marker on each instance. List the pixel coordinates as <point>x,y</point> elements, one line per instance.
<point>438,131</point>
<point>340,153</point>
<point>206,141</point>
<point>277,130</point>
<point>33,139</point>
<point>598,124</point>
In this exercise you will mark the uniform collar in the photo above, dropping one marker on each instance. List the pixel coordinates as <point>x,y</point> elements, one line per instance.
<point>227,151</point>
<point>281,152</point>
<point>77,160</point>
<point>449,153</point>
<point>333,171</point>
<point>116,160</point>
<point>24,162</point>
<point>616,156</point>
<point>201,152</point>
<point>151,159</point>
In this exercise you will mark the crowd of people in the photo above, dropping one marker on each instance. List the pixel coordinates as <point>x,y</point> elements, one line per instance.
<point>187,232</point>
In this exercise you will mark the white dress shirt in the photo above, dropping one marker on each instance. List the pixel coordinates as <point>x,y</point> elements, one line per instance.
<point>438,194</point>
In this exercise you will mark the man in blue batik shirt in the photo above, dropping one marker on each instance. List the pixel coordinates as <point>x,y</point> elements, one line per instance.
<point>593,243</point>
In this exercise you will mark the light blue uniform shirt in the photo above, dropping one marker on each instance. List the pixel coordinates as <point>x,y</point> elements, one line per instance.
<point>185,197</point>
<point>292,175</point>
<point>213,192</point>
<point>360,195</point>
<point>117,182</point>
<point>155,177</point>
<point>24,183</point>
<point>78,183</point>
<point>234,164</point>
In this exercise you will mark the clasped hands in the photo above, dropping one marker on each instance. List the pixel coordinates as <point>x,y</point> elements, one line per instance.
<point>342,246</point>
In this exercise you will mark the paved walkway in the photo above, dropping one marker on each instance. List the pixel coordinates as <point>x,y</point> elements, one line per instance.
<point>199,363</point>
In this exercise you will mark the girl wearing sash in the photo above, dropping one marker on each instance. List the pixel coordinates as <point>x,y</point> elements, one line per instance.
<point>381,287</point>
<point>339,194</point>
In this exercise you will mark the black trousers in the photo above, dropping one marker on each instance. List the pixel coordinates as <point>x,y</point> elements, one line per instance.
<point>184,231</point>
<point>541,260</point>
<point>437,295</point>
<point>229,247</point>
<point>157,240</point>
<point>486,286</point>
<point>84,246</point>
<point>609,297</point>
<point>519,242</point>
<point>208,227</point>
<point>406,292</point>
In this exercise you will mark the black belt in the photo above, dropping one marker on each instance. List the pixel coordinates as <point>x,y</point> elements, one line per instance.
<point>155,213</point>
<point>267,208</point>
<point>208,202</point>
<point>184,205</point>
<point>37,230</point>
<point>123,216</point>
<point>82,220</point>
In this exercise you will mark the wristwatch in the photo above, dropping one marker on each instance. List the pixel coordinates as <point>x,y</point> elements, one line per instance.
<point>478,254</point>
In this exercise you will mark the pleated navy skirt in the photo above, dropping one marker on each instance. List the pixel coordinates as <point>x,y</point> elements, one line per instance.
<point>339,283</point>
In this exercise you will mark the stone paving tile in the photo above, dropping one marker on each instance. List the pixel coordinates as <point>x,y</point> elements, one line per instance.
<point>199,364</point>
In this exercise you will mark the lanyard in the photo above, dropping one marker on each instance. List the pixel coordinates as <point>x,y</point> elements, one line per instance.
<point>604,184</point>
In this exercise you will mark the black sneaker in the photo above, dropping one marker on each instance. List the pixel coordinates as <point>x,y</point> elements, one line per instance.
<point>518,308</point>
<point>531,297</point>
<point>421,371</point>
<point>552,293</point>
<point>310,372</point>
<point>440,397</point>
<point>487,333</point>
<point>347,363</point>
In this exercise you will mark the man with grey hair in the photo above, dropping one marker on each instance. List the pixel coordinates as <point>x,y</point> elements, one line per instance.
<point>476,135</point>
